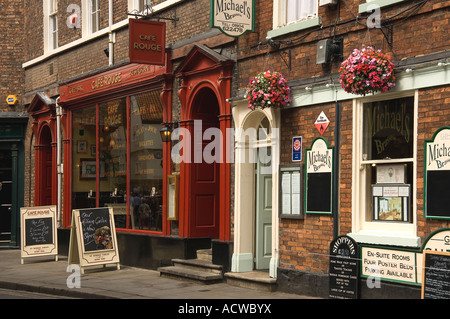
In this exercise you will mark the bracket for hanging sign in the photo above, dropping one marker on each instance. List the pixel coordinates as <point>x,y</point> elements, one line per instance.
<point>148,12</point>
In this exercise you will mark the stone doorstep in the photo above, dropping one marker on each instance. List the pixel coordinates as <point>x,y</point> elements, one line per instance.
<point>197,270</point>
<point>259,280</point>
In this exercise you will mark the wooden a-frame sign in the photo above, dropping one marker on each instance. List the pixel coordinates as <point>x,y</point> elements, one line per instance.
<point>38,232</point>
<point>93,239</point>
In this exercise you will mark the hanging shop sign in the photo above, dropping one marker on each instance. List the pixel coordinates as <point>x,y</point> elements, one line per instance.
<point>437,175</point>
<point>344,269</point>
<point>322,123</point>
<point>93,239</point>
<point>147,42</point>
<point>39,234</point>
<point>319,177</point>
<point>233,17</point>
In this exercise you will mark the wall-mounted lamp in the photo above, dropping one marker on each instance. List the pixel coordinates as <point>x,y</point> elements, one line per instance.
<point>308,88</point>
<point>106,52</point>
<point>409,70</point>
<point>166,131</point>
<point>443,63</point>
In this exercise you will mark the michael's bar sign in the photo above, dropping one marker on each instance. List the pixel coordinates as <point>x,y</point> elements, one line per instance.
<point>233,17</point>
<point>147,42</point>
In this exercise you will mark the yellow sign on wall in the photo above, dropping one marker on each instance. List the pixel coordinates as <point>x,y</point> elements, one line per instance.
<point>11,100</point>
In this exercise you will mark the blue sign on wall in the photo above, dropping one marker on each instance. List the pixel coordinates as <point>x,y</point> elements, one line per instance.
<point>297,149</point>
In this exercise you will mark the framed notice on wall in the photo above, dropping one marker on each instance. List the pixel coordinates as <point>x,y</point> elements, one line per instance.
<point>437,175</point>
<point>319,177</point>
<point>39,233</point>
<point>291,199</point>
<point>93,239</point>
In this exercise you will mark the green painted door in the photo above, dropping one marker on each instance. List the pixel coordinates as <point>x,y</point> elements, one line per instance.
<point>263,229</point>
<point>5,196</point>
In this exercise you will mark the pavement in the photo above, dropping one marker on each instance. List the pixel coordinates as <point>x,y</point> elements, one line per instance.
<point>48,276</point>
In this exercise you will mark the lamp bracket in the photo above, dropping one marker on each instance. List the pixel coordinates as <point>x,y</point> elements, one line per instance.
<point>148,13</point>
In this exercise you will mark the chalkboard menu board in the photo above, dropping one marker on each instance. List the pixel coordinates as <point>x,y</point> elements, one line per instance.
<point>39,233</point>
<point>436,275</point>
<point>319,177</point>
<point>344,269</point>
<point>96,229</point>
<point>93,238</point>
<point>437,175</point>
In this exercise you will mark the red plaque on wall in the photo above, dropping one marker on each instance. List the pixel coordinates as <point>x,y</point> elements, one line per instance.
<point>147,42</point>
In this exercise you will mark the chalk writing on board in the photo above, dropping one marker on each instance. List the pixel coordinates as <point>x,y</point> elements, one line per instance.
<point>38,231</point>
<point>96,229</point>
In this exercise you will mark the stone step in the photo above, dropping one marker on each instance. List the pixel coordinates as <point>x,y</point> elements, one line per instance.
<point>258,280</point>
<point>197,270</point>
<point>205,254</point>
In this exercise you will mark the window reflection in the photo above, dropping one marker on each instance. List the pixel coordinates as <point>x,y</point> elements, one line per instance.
<point>113,158</point>
<point>146,161</point>
<point>83,158</point>
<point>99,157</point>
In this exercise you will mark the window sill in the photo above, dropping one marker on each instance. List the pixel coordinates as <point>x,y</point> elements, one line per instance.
<point>378,3</point>
<point>386,238</point>
<point>294,27</point>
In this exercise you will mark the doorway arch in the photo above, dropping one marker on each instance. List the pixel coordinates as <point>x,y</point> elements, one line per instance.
<point>257,137</point>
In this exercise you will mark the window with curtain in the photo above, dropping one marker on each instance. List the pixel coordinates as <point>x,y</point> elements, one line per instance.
<point>53,24</point>
<point>296,10</point>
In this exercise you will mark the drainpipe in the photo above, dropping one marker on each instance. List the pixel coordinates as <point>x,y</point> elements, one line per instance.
<point>59,167</point>
<point>337,146</point>
<point>111,34</point>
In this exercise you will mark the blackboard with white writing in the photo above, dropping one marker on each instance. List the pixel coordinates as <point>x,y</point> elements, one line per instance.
<point>436,275</point>
<point>96,229</point>
<point>38,231</point>
<point>343,274</point>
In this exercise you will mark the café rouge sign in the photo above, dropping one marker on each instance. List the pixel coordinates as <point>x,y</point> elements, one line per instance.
<point>147,42</point>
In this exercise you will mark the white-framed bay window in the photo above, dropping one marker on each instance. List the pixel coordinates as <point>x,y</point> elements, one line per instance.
<point>293,15</point>
<point>384,170</point>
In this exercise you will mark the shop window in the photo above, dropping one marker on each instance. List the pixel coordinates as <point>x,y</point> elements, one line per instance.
<point>84,158</point>
<point>385,166</point>
<point>101,149</point>
<point>112,154</point>
<point>146,173</point>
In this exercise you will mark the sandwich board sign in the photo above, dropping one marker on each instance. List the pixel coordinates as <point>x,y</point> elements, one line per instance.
<point>38,232</point>
<point>93,239</point>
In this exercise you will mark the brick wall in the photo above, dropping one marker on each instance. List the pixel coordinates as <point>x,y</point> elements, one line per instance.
<point>424,32</point>
<point>11,53</point>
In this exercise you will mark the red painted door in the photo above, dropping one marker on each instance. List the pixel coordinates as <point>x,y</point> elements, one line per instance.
<point>46,198</point>
<point>204,198</point>
<point>204,192</point>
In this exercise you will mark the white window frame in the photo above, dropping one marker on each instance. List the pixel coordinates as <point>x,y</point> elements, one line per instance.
<point>52,24</point>
<point>93,16</point>
<point>379,232</point>
<point>280,13</point>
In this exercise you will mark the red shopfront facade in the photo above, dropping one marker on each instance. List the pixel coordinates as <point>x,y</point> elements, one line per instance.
<point>114,156</point>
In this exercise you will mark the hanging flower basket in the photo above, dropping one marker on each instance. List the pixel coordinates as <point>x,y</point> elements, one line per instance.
<point>268,89</point>
<point>367,71</point>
